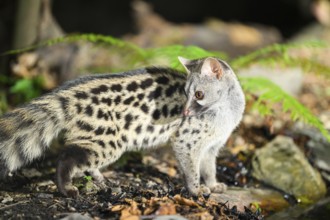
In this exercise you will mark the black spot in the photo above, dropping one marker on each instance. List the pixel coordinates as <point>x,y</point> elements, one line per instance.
<point>162,80</point>
<point>118,115</point>
<point>138,129</point>
<point>145,141</point>
<point>195,131</point>
<point>170,90</point>
<point>101,143</point>
<point>145,108</point>
<point>20,147</point>
<point>135,142</point>
<point>124,138</point>
<point>189,146</point>
<point>150,128</point>
<point>24,122</point>
<point>104,155</point>
<point>78,107</point>
<point>140,96</point>
<point>146,83</point>
<point>132,87</point>
<point>136,104</point>
<point>129,100</point>
<point>81,95</point>
<point>113,145</point>
<point>111,131</point>
<point>106,101</point>
<point>119,144</point>
<point>84,137</point>
<point>95,100</point>
<point>156,114</point>
<point>99,131</point>
<point>4,135</point>
<point>117,100</point>
<point>128,121</point>
<point>84,126</point>
<point>110,115</point>
<point>99,89</point>
<point>229,90</point>
<point>162,130</point>
<point>155,94</point>
<point>92,152</point>
<point>176,110</point>
<point>116,88</point>
<point>101,114</point>
<point>97,162</point>
<point>165,111</point>
<point>185,131</point>
<point>89,110</point>
<point>177,134</point>
<point>64,103</point>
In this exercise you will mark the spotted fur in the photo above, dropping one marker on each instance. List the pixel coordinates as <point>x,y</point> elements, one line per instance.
<point>102,116</point>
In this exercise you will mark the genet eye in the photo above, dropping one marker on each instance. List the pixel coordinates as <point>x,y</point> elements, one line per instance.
<point>199,95</point>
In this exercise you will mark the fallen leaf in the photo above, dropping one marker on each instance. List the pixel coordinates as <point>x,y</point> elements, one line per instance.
<point>117,208</point>
<point>201,216</point>
<point>184,201</point>
<point>166,209</point>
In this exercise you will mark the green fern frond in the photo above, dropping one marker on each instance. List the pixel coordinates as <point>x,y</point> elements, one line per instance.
<point>172,52</point>
<point>270,94</point>
<point>94,38</point>
<point>270,53</point>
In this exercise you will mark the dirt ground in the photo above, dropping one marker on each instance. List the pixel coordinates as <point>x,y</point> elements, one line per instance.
<point>131,190</point>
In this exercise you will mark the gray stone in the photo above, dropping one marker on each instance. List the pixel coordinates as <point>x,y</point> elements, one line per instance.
<point>169,217</point>
<point>282,164</point>
<point>76,216</point>
<point>318,144</point>
<point>267,200</point>
<point>289,79</point>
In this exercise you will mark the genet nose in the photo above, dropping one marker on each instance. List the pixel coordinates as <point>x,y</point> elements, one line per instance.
<point>185,112</point>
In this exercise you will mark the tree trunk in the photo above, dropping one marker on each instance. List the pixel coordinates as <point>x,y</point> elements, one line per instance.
<point>27,21</point>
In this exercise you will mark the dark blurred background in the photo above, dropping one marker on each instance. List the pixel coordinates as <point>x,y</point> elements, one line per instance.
<point>116,17</point>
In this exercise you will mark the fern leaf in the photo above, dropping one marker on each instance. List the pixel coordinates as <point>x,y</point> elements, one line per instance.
<point>269,94</point>
<point>271,52</point>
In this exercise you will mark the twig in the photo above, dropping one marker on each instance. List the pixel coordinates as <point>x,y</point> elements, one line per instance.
<point>11,205</point>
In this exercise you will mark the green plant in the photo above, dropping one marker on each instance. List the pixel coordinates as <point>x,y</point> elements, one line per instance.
<point>26,89</point>
<point>88,178</point>
<point>268,93</point>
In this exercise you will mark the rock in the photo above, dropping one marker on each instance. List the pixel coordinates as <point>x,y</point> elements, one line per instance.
<point>318,145</point>
<point>319,210</point>
<point>267,200</point>
<point>281,164</point>
<point>44,195</point>
<point>169,217</point>
<point>76,216</point>
<point>7,199</point>
<point>283,77</point>
<point>230,37</point>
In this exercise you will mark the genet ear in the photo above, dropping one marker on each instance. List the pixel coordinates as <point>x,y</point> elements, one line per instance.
<point>185,62</point>
<point>212,68</point>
